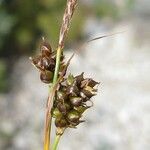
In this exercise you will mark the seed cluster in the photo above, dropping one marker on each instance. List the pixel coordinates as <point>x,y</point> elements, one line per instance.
<point>45,62</point>
<point>71,100</point>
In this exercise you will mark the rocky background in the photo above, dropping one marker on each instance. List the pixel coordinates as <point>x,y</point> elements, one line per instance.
<point>120,118</point>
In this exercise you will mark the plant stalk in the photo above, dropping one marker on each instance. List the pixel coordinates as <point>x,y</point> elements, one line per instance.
<point>71,4</point>
<point>58,56</point>
<point>47,132</point>
<point>50,102</point>
<point>56,141</point>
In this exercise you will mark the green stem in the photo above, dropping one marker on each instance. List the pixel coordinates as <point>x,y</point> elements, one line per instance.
<point>58,56</point>
<point>56,141</point>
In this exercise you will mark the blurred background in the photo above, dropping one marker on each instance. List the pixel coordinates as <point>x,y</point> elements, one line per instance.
<point>120,118</point>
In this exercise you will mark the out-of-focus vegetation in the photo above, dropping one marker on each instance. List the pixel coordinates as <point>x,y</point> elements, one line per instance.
<point>3,81</point>
<point>24,22</point>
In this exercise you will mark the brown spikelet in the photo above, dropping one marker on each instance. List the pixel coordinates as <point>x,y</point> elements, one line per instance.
<point>72,99</point>
<point>70,8</point>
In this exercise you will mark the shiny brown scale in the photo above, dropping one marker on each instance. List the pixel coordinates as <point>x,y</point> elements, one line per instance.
<point>48,64</point>
<point>61,122</point>
<point>63,108</point>
<point>88,82</point>
<point>73,90</point>
<point>46,49</point>
<point>36,61</point>
<point>61,95</point>
<point>73,117</point>
<point>46,76</point>
<point>79,78</point>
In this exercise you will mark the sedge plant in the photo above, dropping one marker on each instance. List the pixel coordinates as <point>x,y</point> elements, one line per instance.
<point>68,94</point>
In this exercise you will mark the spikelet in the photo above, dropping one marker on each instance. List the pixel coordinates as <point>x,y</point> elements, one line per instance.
<point>45,62</point>
<point>71,100</point>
